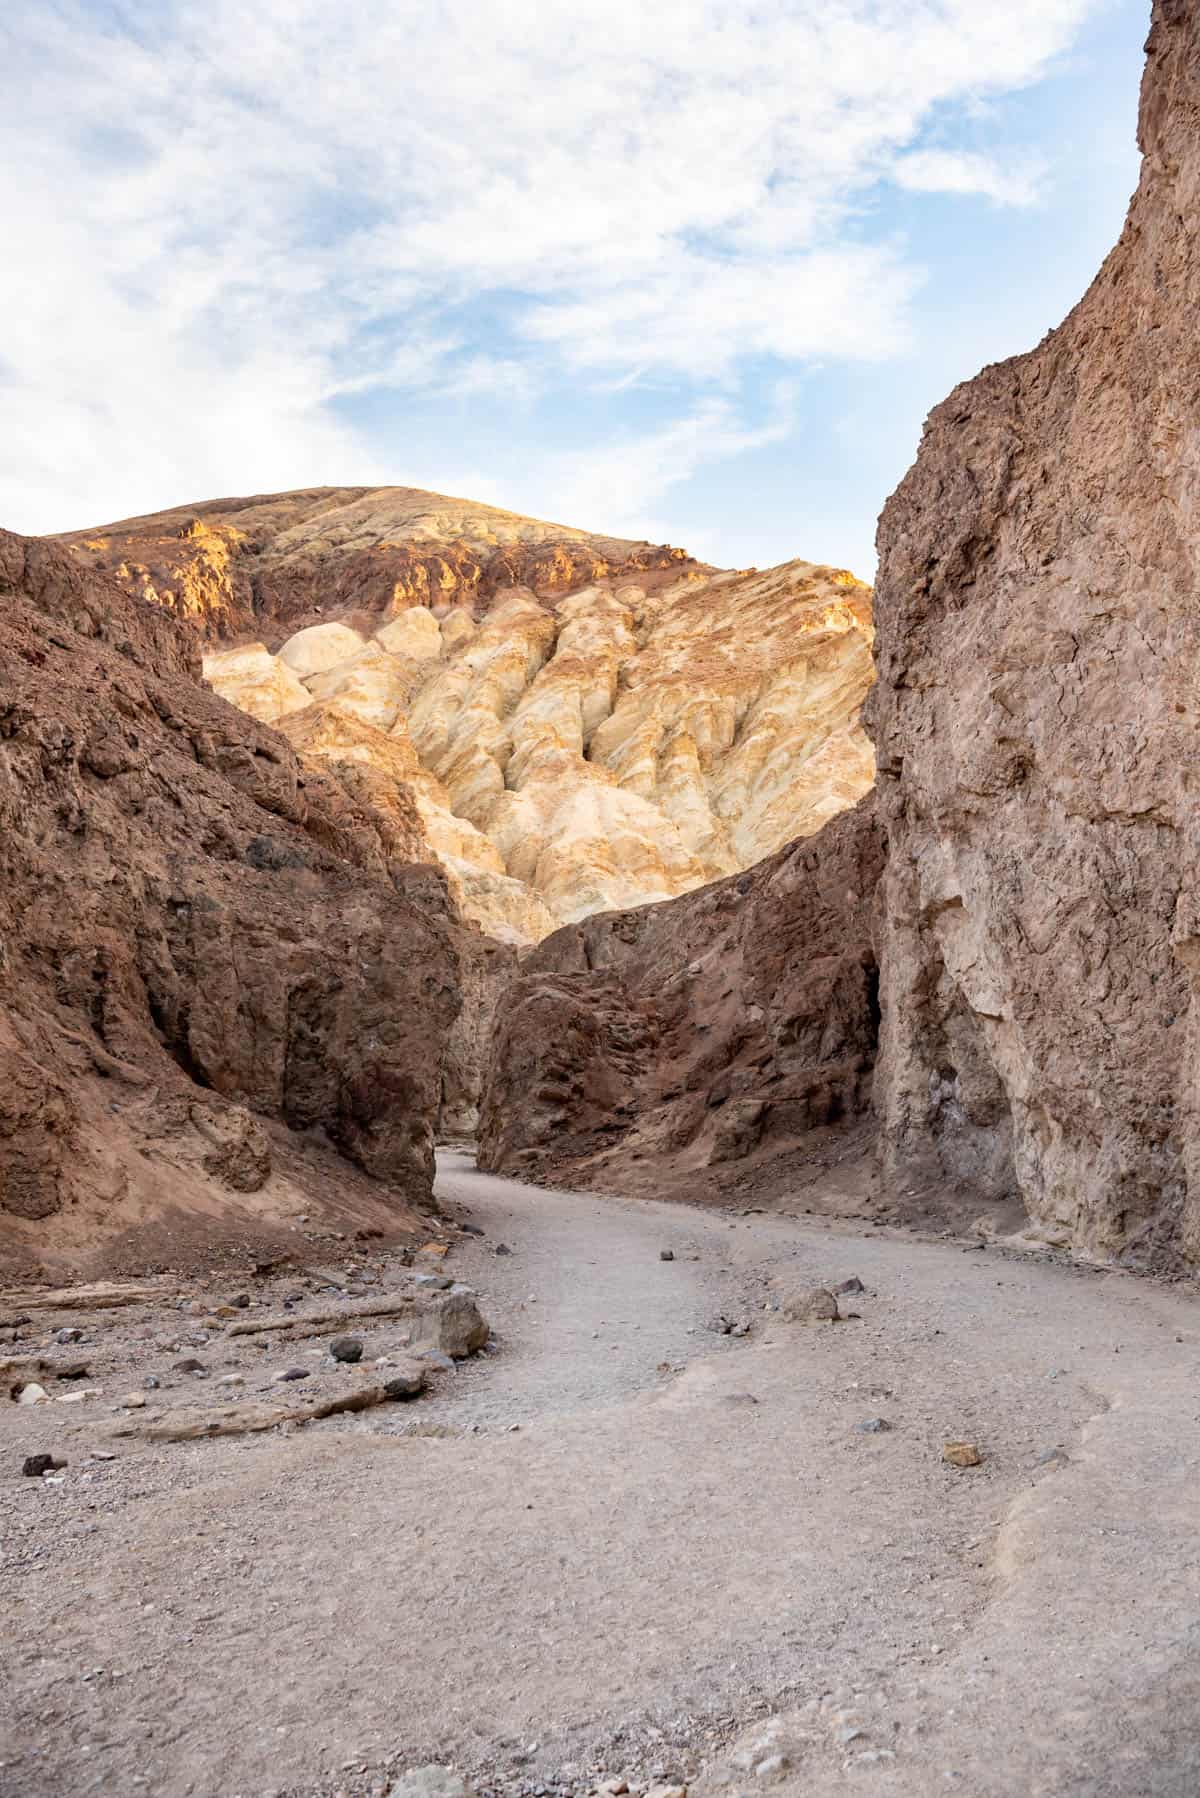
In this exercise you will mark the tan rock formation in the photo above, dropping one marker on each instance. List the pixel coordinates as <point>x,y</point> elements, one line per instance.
<point>610,747</point>
<point>1036,719</point>
<point>586,722</point>
<point>257,682</point>
<point>218,966</point>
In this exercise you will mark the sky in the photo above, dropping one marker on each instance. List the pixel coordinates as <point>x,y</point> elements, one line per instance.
<point>692,271</point>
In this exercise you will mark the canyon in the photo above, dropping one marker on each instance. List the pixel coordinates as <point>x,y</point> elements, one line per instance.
<point>660,1103</point>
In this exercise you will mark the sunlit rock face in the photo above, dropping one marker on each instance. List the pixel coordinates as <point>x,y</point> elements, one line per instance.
<point>585,724</point>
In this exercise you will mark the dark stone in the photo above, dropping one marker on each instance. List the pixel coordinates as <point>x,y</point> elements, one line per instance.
<point>36,1465</point>
<point>873,1426</point>
<point>346,1348</point>
<point>666,1254</point>
<point>189,1364</point>
<point>854,1285</point>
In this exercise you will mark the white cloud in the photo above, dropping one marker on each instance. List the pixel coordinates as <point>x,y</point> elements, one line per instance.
<point>230,214</point>
<point>966,172</point>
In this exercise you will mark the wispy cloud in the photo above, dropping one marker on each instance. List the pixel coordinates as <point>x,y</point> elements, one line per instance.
<point>228,217</point>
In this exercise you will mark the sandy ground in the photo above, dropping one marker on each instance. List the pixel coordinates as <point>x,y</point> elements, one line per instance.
<point>624,1545</point>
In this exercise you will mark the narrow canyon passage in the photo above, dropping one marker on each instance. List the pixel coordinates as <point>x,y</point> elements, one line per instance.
<point>685,1534</point>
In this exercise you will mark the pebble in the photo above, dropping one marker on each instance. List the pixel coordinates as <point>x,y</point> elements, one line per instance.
<point>852,1285</point>
<point>189,1364</point>
<point>666,1254</point>
<point>346,1348</point>
<point>293,1373</point>
<point>32,1394</point>
<point>68,1335</point>
<point>232,1379</point>
<point>133,1401</point>
<point>873,1426</point>
<point>961,1454</point>
<point>502,1248</point>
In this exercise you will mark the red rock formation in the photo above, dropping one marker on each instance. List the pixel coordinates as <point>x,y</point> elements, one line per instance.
<point>680,1046</point>
<point>269,565</point>
<point>197,932</point>
<point>1035,721</point>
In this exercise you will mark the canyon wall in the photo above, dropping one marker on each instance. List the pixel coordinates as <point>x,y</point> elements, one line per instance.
<point>690,1048</point>
<point>220,970</point>
<point>581,723</point>
<point>1035,721</point>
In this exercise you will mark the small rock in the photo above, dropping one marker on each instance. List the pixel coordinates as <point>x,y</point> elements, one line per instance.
<point>666,1792</point>
<point>103,1454</point>
<point>346,1348</point>
<point>873,1426</point>
<point>150,1383</point>
<point>407,1382</point>
<point>133,1401</point>
<point>69,1335</point>
<point>961,1454</point>
<point>36,1465</point>
<point>810,1305</point>
<point>232,1379</point>
<point>241,1302</point>
<point>854,1285</point>
<point>502,1248</point>
<point>32,1394</point>
<point>613,1788</point>
<point>773,1765</point>
<point>189,1364</point>
<point>666,1254</point>
<point>742,1329</point>
<point>293,1373</point>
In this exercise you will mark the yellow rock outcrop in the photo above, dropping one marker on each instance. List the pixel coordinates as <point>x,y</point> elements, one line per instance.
<point>584,723</point>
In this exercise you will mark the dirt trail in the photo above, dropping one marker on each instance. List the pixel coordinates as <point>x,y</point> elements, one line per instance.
<point>687,1561</point>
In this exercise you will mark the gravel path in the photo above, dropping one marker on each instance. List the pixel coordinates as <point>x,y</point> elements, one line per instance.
<point>686,1562</point>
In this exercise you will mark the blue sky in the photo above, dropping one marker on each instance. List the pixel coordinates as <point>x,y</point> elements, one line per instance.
<point>693,272</point>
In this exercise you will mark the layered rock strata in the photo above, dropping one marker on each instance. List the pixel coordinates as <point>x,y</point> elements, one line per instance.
<point>220,968</point>
<point>668,1047</point>
<point>582,723</point>
<point>1036,721</point>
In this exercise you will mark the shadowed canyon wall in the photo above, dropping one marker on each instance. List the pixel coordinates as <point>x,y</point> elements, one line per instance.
<point>208,949</point>
<point>667,1048</point>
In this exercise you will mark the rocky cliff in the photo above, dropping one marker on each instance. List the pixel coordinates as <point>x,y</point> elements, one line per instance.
<point>698,1047</point>
<point>1036,721</point>
<point>581,723</point>
<point>220,973</point>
